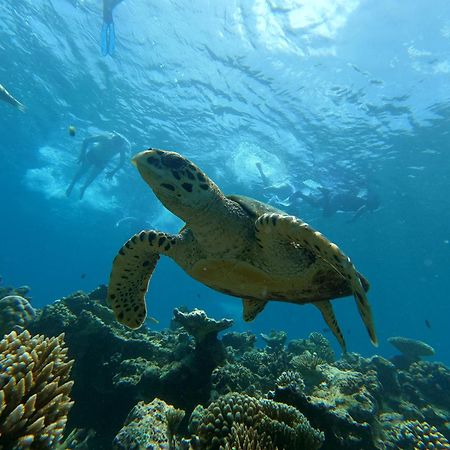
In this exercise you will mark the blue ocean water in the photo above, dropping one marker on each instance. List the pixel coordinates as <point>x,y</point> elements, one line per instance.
<point>335,94</point>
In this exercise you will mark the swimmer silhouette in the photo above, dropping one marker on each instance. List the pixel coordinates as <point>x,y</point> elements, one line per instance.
<point>108,35</point>
<point>347,201</point>
<point>95,154</point>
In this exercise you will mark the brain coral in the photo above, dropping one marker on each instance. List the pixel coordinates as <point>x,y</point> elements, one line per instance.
<point>34,391</point>
<point>234,418</point>
<point>16,313</point>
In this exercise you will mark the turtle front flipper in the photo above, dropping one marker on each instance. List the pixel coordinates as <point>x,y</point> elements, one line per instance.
<point>300,233</point>
<point>131,272</point>
<point>326,309</point>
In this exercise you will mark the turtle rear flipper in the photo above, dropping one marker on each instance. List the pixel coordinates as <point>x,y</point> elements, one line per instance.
<point>296,231</point>
<point>326,309</point>
<point>131,272</point>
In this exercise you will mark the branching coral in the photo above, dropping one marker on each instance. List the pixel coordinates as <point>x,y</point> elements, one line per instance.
<point>282,425</point>
<point>243,437</point>
<point>291,378</point>
<point>316,343</point>
<point>34,391</point>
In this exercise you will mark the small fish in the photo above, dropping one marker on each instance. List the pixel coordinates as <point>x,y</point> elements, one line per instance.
<point>125,219</point>
<point>8,98</point>
<point>83,276</point>
<point>152,320</point>
<point>428,324</point>
<point>326,330</point>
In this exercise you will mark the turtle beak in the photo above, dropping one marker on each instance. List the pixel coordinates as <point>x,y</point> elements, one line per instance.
<point>135,158</point>
<point>141,156</point>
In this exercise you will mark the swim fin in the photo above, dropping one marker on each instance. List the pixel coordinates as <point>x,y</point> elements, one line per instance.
<point>108,38</point>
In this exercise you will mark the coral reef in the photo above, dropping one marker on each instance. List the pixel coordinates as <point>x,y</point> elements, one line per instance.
<point>412,435</point>
<point>339,428</point>
<point>275,340</point>
<point>34,391</point>
<point>119,365</point>
<point>411,350</point>
<point>151,425</point>
<point>199,325</point>
<point>316,343</point>
<point>16,313</point>
<point>22,291</point>
<point>277,425</point>
<point>240,342</point>
<point>284,387</point>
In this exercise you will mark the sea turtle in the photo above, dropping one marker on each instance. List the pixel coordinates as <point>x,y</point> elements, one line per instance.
<point>235,245</point>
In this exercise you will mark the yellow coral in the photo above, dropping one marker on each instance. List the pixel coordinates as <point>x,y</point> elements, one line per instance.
<point>34,390</point>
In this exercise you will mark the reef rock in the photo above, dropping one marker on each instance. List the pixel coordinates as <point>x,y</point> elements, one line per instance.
<point>199,325</point>
<point>149,426</point>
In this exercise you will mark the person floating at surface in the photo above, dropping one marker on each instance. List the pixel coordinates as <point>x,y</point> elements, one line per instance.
<point>277,193</point>
<point>8,98</point>
<point>108,35</point>
<point>346,201</point>
<point>95,154</point>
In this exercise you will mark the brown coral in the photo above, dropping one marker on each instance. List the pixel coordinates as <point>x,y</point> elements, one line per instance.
<point>149,425</point>
<point>34,390</point>
<point>277,424</point>
<point>243,437</point>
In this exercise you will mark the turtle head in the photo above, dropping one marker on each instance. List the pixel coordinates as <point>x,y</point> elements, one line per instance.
<point>179,184</point>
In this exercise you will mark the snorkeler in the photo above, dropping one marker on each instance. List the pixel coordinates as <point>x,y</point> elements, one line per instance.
<point>346,201</point>
<point>95,154</point>
<point>108,36</point>
<point>277,193</point>
<point>8,98</point>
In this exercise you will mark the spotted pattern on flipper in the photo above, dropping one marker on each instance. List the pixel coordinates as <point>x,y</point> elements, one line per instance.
<point>130,275</point>
<point>326,309</point>
<point>300,232</point>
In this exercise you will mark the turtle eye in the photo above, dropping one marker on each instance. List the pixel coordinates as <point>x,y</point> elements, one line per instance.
<point>173,161</point>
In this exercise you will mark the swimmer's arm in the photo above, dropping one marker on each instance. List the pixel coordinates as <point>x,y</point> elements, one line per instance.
<point>359,213</point>
<point>123,152</point>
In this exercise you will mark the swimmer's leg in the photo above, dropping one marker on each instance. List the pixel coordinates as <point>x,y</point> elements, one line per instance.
<point>80,172</point>
<point>92,175</point>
